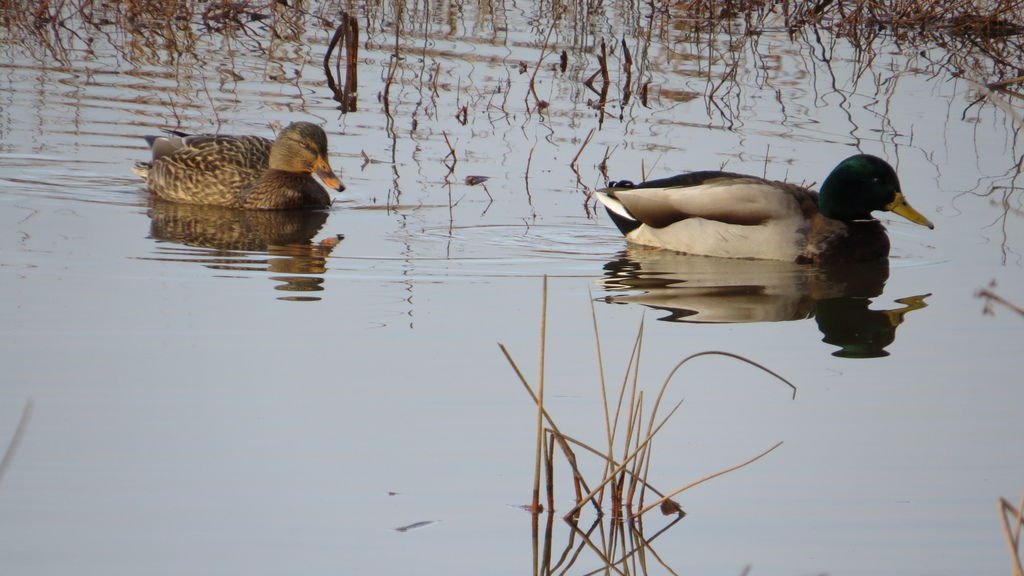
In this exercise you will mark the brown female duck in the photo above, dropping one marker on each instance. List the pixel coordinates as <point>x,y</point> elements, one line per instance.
<point>242,171</point>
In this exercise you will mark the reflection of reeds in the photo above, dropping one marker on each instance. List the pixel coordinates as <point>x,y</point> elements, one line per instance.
<point>991,299</point>
<point>144,30</point>
<point>983,41</point>
<point>622,486</point>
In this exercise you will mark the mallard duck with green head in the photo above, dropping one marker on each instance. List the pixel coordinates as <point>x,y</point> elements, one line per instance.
<point>242,171</point>
<point>730,215</point>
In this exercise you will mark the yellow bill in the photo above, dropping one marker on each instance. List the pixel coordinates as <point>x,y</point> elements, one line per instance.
<point>900,206</point>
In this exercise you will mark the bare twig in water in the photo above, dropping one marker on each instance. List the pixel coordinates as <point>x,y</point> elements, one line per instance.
<point>347,32</point>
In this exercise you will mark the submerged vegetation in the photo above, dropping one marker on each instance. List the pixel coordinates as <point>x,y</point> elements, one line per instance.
<point>981,39</point>
<point>609,60</point>
<point>582,62</point>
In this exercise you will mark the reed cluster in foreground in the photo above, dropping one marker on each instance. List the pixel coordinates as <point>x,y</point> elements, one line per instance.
<point>1013,525</point>
<point>621,489</point>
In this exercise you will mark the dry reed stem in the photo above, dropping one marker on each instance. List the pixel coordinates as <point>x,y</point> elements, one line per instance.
<point>600,372</point>
<point>586,447</point>
<point>1013,533</point>
<point>623,465</point>
<point>672,373</point>
<point>540,394</point>
<point>671,495</point>
<point>561,438</point>
<point>631,366</point>
<point>1005,83</point>
<point>633,358</point>
<point>632,416</point>
<point>644,484</point>
<point>638,462</point>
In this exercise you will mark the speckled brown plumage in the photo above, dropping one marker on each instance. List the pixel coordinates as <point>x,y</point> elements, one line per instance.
<point>242,171</point>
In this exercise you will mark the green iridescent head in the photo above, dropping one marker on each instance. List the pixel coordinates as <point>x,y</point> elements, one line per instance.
<point>862,184</point>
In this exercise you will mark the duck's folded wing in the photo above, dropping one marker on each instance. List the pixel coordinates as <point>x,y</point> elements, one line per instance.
<point>729,198</point>
<point>175,141</point>
<point>215,153</point>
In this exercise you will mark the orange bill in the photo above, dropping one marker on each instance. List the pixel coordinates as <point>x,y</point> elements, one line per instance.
<point>323,170</point>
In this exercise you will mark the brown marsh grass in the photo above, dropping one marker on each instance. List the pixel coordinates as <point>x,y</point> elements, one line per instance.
<point>602,56</point>
<point>1013,524</point>
<point>631,422</point>
<point>986,33</point>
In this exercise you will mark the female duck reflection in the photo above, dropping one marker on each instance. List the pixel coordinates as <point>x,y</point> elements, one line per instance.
<point>704,289</point>
<point>283,236</point>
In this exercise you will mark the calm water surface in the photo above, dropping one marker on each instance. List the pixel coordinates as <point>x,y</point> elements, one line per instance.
<point>215,392</point>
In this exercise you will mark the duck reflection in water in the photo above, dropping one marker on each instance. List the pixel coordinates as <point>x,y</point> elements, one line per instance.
<point>223,236</point>
<point>702,289</point>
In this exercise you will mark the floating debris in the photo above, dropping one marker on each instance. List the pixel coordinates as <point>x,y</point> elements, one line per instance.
<point>416,525</point>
